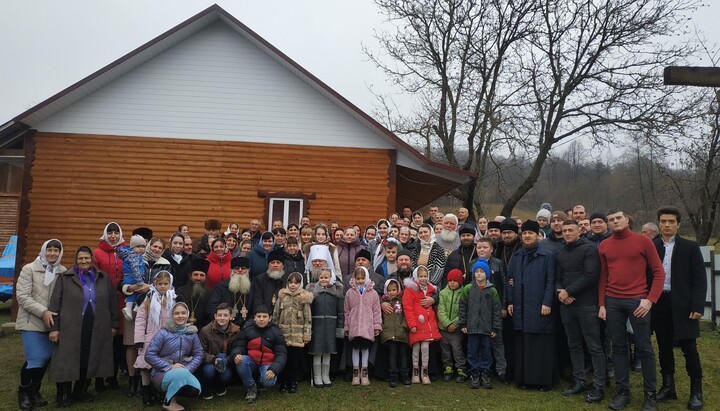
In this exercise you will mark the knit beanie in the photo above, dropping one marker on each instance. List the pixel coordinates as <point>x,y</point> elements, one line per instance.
<point>544,212</point>
<point>599,215</point>
<point>137,240</point>
<point>482,264</point>
<point>455,275</point>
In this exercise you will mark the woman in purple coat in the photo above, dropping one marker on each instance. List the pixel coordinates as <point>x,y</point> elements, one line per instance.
<point>174,354</point>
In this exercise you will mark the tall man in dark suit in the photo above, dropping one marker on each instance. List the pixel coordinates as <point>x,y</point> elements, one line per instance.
<point>680,306</point>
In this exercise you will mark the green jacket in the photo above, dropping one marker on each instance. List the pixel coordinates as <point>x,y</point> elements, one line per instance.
<point>449,308</point>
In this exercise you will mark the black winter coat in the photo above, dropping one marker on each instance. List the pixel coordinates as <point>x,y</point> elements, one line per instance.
<point>578,270</point>
<point>688,285</point>
<point>181,271</point>
<point>461,259</point>
<point>222,294</point>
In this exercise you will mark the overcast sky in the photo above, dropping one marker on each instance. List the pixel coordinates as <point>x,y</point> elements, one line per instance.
<point>47,45</point>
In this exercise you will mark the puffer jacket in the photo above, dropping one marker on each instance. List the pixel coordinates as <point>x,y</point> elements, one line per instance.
<point>362,311</point>
<point>328,317</point>
<point>146,329</point>
<point>215,340</point>
<point>264,345</point>
<point>578,271</point>
<point>394,327</point>
<point>426,328</point>
<point>170,347</point>
<point>294,263</point>
<point>219,269</point>
<point>33,296</point>
<point>449,307</point>
<point>258,260</point>
<point>108,261</point>
<point>480,309</point>
<point>292,315</point>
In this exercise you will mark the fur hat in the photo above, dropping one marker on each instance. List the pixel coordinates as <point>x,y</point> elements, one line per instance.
<point>544,212</point>
<point>137,240</point>
<point>509,224</point>
<point>212,224</point>
<point>276,255</point>
<point>531,225</point>
<point>493,224</point>
<point>558,214</point>
<point>482,264</point>
<point>455,275</point>
<point>200,264</point>
<point>240,262</point>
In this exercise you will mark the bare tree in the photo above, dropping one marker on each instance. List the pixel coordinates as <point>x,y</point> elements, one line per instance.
<point>450,56</point>
<point>592,68</point>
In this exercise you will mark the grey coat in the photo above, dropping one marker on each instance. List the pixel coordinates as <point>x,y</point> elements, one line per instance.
<point>328,317</point>
<point>67,301</point>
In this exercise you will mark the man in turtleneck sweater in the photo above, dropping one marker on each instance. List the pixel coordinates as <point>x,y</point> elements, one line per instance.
<point>625,291</point>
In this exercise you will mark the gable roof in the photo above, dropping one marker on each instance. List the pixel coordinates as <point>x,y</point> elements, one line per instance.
<point>106,75</point>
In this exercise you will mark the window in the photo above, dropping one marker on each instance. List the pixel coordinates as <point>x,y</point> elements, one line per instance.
<point>287,210</point>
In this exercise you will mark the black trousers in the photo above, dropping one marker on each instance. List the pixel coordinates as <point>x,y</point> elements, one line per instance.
<point>665,335</point>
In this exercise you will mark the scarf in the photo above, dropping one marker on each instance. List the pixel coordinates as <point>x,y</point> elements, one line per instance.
<point>425,246</point>
<point>176,257</point>
<point>50,269</point>
<point>158,302</point>
<point>104,236</point>
<point>149,256</point>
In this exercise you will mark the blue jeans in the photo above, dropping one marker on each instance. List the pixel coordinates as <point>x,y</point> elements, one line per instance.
<point>618,311</point>
<point>248,369</point>
<point>479,352</point>
<point>209,373</point>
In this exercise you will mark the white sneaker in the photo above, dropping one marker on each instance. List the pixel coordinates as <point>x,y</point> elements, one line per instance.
<point>127,312</point>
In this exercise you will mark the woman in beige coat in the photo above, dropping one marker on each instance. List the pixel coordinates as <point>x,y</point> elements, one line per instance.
<point>35,285</point>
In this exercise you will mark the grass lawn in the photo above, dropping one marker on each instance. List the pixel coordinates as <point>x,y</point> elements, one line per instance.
<point>439,395</point>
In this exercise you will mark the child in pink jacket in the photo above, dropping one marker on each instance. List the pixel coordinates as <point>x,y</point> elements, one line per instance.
<point>363,321</point>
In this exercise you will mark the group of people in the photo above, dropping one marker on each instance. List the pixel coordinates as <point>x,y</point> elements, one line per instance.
<point>498,297</point>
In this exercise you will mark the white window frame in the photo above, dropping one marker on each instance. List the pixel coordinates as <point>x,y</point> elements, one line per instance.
<point>286,209</point>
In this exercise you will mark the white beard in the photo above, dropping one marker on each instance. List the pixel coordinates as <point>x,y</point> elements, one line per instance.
<point>448,235</point>
<point>239,283</point>
<point>275,275</point>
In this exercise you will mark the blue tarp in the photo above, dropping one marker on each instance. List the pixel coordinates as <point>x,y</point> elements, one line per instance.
<point>7,269</point>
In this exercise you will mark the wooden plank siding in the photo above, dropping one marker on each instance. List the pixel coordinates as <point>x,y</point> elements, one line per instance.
<point>81,182</point>
<point>9,206</point>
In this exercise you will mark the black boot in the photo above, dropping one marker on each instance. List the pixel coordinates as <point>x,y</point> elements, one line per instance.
<point>577,388</point>
<point>620,401</point>
<point>35,396</point>
<point>251,395</point>
<point>292,387</point>
<point>667,391</point>
<point>24,399</point>
<point>132,385</point>
<point>474,380</point>
<point>696,397</point>
<point>146,401</point>
<point>485,379</point>
<point>650,402</point>
<point>393,379</point>
<point>79,392</point>
<point>100,385</point>
<point>64,399</point>
<point>111,383</point>
<point>405,377</point>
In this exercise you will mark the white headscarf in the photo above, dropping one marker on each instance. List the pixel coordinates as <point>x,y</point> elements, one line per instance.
<point>380,252</point>
<point>320,252</point>
<point>156,300</point>
<point>50,269</point>
<point>105,231</point>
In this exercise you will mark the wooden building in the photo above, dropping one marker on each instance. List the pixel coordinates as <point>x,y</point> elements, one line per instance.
<point>208,120</point>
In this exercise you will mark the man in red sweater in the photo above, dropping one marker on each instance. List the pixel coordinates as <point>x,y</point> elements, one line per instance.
<point>631,280</point>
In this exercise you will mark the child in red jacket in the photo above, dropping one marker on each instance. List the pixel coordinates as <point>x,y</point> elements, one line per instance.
<point>421,320</point>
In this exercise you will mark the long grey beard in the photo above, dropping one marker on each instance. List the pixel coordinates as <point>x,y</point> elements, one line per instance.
<point>448,235</point>
<point>239,284</point>
<point>198,291</point>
